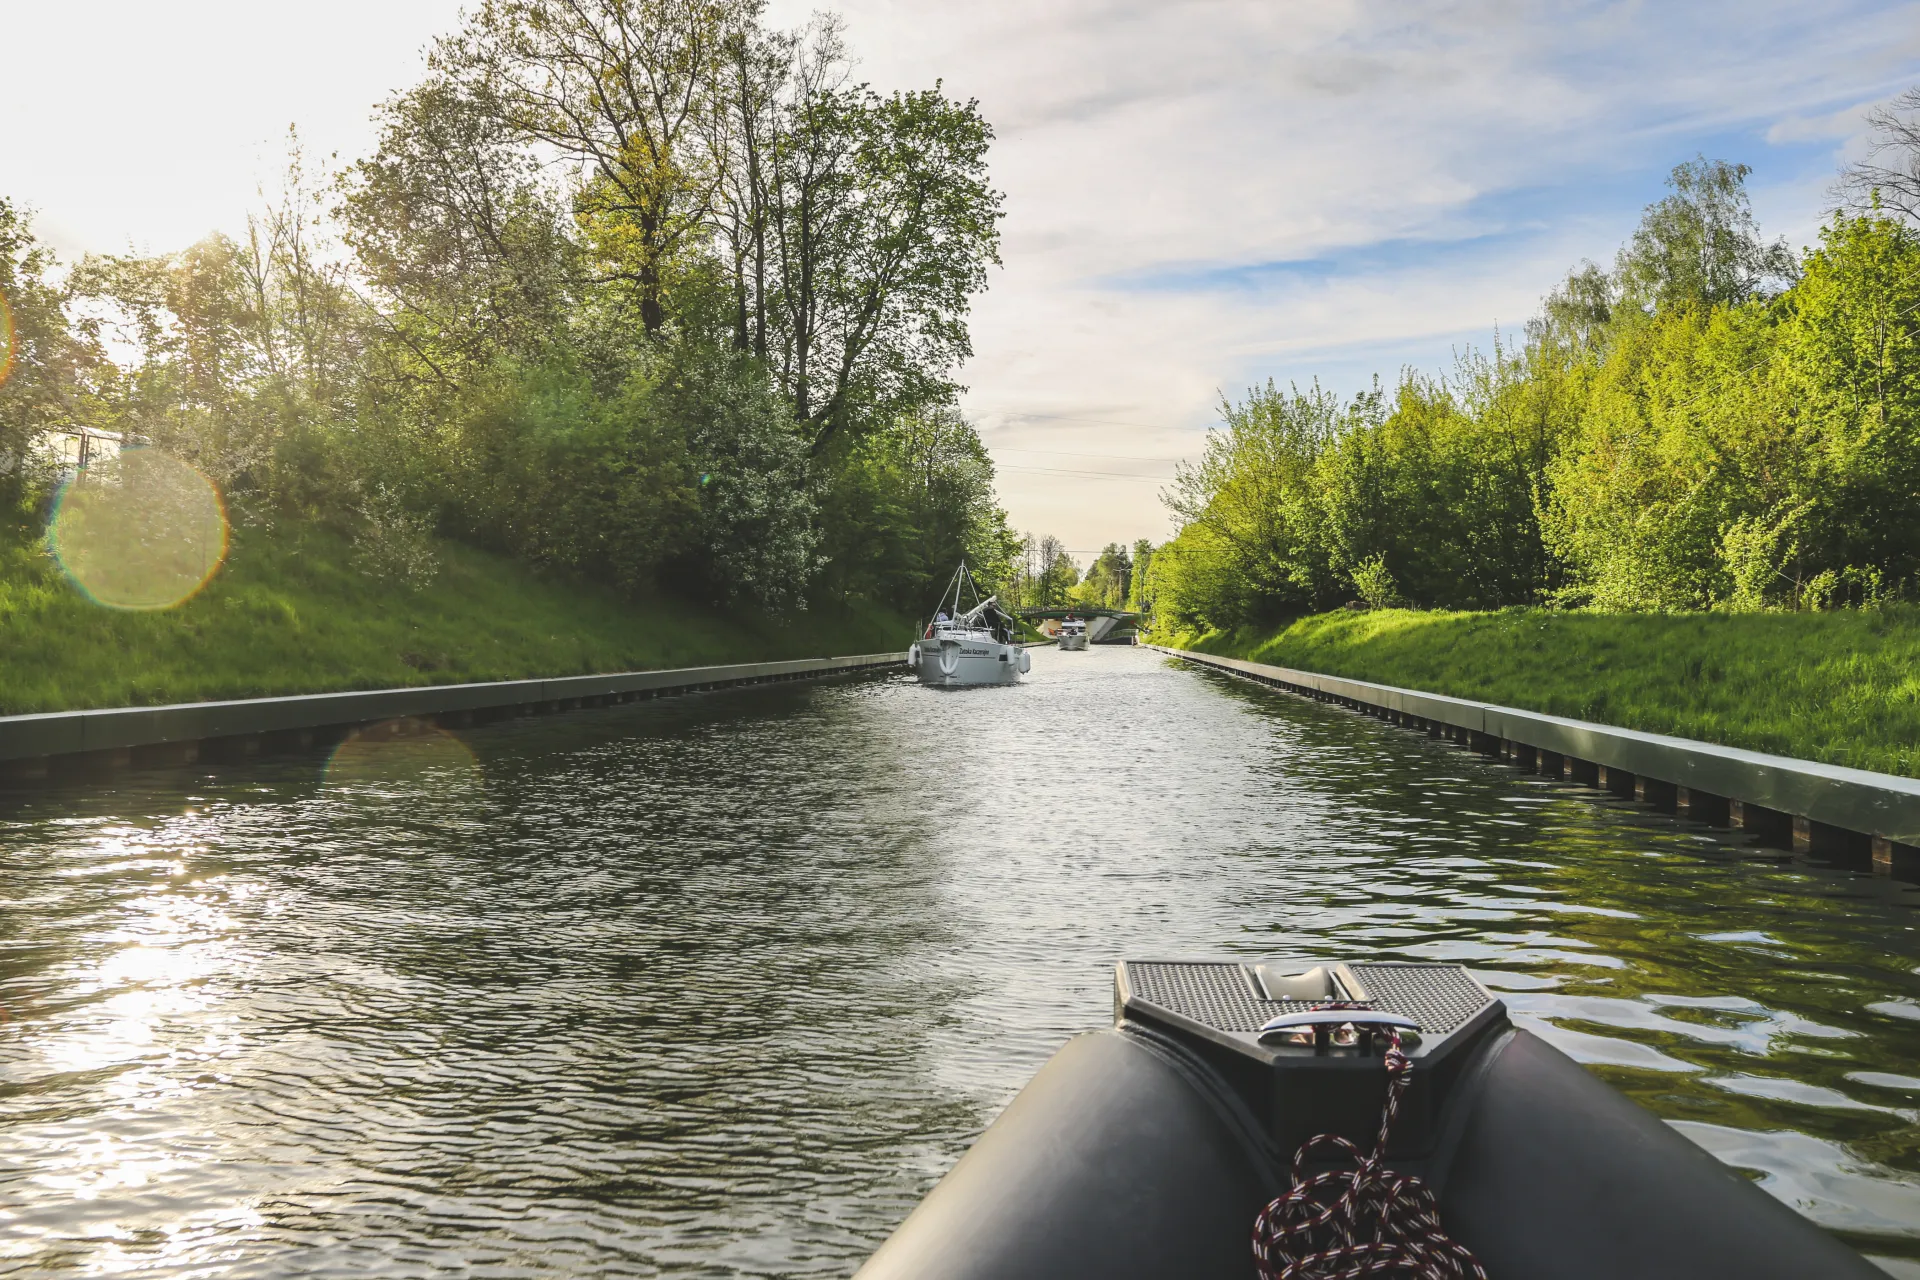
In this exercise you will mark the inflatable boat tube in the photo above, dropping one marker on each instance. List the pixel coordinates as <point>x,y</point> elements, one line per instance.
<point>1149,1150</point>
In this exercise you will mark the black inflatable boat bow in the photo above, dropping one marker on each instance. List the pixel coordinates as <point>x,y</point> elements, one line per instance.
<point>1345,1224</point>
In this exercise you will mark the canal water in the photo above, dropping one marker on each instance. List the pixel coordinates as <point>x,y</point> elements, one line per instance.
<point>719,985</point>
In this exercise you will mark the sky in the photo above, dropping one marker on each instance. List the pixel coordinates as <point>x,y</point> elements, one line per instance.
<point>1200,194</point>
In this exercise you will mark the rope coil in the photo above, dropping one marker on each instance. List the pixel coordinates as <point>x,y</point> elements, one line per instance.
<point>1346,1224</point>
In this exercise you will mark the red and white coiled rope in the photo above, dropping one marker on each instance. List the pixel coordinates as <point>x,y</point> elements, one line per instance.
<point>1365,1221</point>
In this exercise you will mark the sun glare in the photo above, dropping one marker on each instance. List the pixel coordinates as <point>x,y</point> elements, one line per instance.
<point>142,530</point>
<point>7,339</point>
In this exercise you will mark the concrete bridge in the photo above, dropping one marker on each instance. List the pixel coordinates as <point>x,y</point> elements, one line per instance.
<point>1104,626</point>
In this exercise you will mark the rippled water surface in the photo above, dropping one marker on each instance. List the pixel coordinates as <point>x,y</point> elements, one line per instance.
<point>719,985</point>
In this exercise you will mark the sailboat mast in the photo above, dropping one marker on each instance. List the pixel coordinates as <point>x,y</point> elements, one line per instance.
<point>953,588</point>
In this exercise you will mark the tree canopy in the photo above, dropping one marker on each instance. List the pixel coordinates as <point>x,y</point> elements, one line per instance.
<point>1713,423</point>
<point>642,289</point>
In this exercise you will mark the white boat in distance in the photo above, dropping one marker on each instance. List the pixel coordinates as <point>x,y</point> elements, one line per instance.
<point>1073,634</point>
<point>973,647</point>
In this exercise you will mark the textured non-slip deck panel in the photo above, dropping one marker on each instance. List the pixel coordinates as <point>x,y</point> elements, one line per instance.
<point>1440,997</point>
<point>1219,995</point>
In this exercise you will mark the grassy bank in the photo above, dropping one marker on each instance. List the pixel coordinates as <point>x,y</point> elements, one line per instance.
<point>290,613</point>
<point>1842,687</point>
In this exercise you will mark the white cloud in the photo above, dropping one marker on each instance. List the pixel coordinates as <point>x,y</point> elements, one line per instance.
<point>1200,194</point>
<point>144,124</point>
<point>1204,195</point>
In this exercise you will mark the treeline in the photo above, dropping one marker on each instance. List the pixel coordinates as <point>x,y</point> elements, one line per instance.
<point>1714,422</point>
<point>1044,576</point>
<point>638,289</point>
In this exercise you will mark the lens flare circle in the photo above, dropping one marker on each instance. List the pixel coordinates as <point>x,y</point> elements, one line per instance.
<point>400,753</point>
<point>8,339</point>
<point>142,530</point>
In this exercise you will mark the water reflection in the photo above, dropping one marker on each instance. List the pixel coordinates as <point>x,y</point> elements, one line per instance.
<point>720,985</point>
<point>398,759</point>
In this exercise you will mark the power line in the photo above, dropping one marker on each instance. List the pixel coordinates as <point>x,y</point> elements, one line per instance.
<point>1064,453</point>
<point>1102,475</point>
<point>1099,422</point>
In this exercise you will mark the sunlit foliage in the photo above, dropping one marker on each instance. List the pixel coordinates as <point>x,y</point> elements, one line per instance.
<point>641,290</point>
<point>1109,579</point>
<point>1711,424</point>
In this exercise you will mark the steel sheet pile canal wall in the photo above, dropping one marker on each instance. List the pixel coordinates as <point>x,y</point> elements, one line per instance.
<point>34,746</point>
<point>1853,816</point>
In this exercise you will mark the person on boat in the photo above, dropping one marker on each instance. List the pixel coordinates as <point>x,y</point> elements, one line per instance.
<point>941,616</point>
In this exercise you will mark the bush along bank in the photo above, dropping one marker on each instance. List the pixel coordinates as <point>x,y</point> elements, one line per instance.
<point>597,368</point>
<point>294,610</point>
<point>1841,687</point>
<point>1716,423</point>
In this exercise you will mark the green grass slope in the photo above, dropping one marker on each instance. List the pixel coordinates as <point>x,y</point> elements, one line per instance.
<point>1841,687</point>
<point>290,613</point>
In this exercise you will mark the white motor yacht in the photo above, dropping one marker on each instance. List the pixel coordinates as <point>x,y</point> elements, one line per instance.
<point>1073,634</point>
<point>967,647</point>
